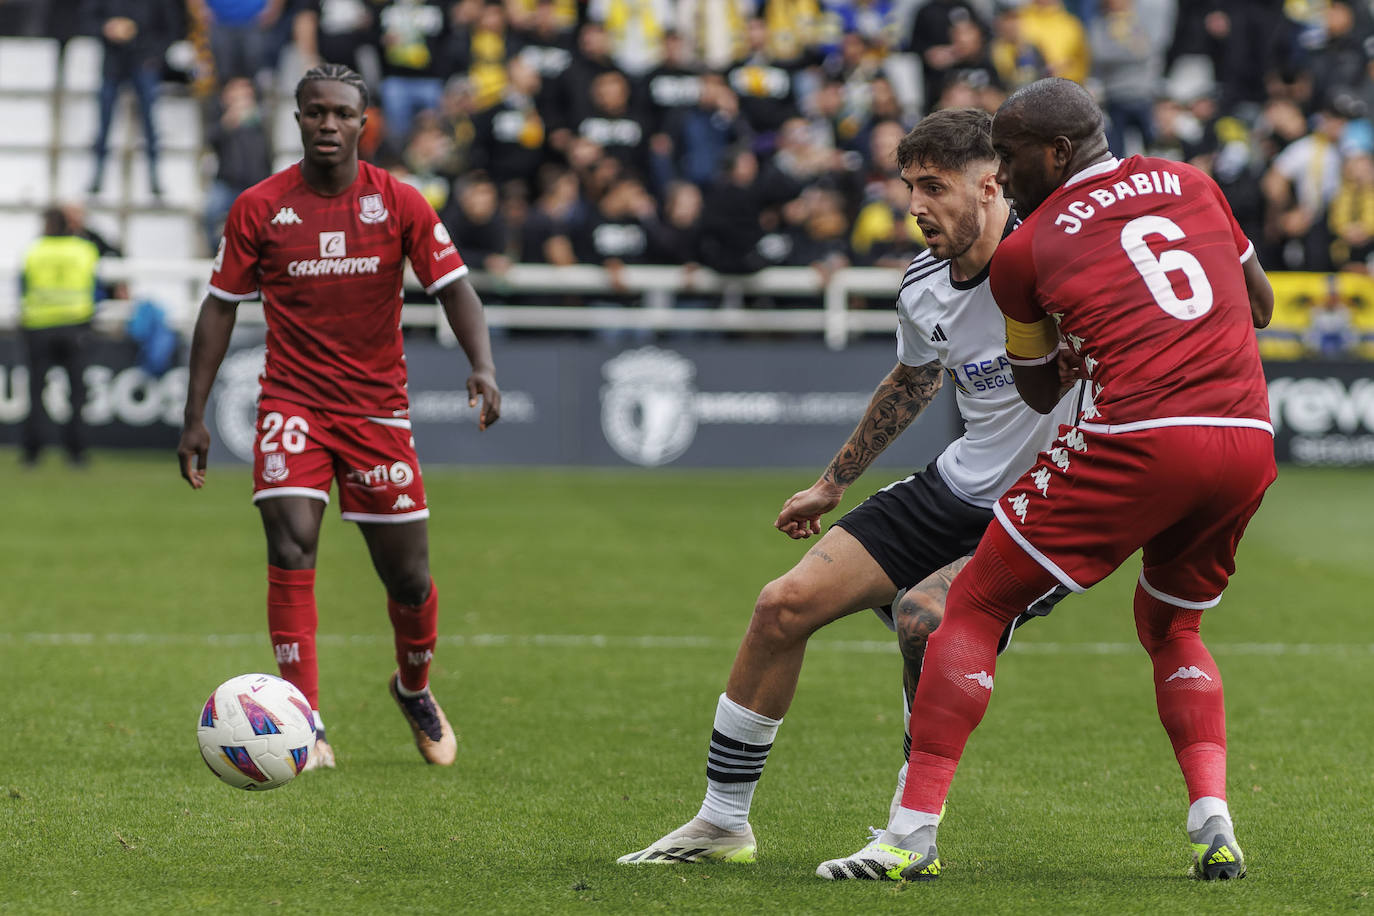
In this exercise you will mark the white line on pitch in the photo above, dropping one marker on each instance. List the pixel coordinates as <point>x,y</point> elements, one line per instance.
<point>592,641</point>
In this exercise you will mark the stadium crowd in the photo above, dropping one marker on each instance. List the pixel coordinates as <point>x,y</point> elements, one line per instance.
<point>740,134</point>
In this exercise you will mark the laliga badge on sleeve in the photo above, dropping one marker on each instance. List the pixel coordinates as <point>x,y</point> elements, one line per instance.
<point>371,208</point>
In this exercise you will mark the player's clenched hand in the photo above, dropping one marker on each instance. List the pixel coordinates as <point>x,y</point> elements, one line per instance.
<point>801,514</point>
<point>195,443</point>
<point>482,386</point>
<point>1071,369</point>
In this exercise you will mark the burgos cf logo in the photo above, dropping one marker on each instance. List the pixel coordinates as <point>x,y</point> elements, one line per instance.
<point>646,407</point>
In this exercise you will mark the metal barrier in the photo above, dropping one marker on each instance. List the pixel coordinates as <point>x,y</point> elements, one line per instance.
<point>660,289</point>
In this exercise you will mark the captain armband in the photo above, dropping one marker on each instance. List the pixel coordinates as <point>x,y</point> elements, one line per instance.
<point>1032,344</point>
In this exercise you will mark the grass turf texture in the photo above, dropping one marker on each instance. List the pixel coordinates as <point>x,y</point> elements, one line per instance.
<point>574,752</point>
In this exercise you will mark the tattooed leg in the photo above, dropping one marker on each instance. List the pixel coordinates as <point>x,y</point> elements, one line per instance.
<point>917,615</point>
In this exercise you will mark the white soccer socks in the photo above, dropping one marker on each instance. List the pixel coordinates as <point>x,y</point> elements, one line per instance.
<point>740,742</point>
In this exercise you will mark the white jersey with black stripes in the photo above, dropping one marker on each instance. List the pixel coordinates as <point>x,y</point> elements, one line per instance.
<point>957,324</point>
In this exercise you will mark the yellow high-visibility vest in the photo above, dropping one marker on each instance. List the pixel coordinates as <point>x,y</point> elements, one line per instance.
<point>59,282</point>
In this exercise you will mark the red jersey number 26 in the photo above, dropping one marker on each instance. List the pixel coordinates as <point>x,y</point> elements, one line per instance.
<point>293,431</point>
<point>1155,271</point>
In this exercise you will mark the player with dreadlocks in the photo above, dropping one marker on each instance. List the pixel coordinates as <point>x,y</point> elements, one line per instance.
<point>324,244</point>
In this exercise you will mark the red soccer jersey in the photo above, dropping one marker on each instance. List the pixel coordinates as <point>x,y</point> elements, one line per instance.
<point>1139,262</point>
<point>329,270</point>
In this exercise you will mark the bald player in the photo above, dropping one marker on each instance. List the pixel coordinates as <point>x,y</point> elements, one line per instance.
<point>1141,268</point>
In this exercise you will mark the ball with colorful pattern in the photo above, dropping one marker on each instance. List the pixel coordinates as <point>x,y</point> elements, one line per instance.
<point>256,732</point>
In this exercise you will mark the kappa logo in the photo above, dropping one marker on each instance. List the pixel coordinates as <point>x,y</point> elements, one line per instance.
<point>420,658</point>
<point>1020,504</point>
<point>286,216</point>
<point>982,677</point>
<point>402,502</point>
<point>1187,673</point>
<point>287,652</point>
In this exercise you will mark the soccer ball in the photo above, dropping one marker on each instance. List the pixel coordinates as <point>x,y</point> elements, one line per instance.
<point>256,732</point>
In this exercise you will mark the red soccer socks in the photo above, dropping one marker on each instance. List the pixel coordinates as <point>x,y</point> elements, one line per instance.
<point>416,629</point>
<point>292,619</point>
<point>1188,691</point>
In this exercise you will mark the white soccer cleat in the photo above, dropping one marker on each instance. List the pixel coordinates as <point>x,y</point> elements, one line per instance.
<point>696,841</point>
<point>321,756</point>
<point>875,862</point>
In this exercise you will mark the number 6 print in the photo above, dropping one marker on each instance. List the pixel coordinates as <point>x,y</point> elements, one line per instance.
<point>1154,271</point>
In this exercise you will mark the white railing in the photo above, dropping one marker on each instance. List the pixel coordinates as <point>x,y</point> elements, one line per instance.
<point>659,288</point>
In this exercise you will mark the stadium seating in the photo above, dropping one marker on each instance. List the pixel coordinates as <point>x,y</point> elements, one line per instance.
<point>28,64</point>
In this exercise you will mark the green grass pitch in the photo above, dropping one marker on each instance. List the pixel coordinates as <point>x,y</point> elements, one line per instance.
<point>589,619</point>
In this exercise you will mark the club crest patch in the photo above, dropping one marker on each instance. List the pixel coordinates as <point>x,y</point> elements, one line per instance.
<point>274,468</point>
<point>371,208</point>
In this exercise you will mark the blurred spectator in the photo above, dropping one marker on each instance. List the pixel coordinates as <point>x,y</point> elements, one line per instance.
<point>932,37</point>
<point>1351,217</point>
<point>238,139</point>
<point>611,125</point>
<point>880,163</point>
<point>823,242</point>
<point>715,31</point>
<point>673,86</point>
<point>554,219</point>
<point>135,35</point>
<point>702,134</point>
<point>58,304</point>
<point>478,228</point>
<point>1298,187</point>
<point>618,231</point>
<point>545,43</point>
<point>510,135</point>
<point>480,46</point>
<point>1059,36</point>
<point>413,37</point>
<point>456,120</point>
<point>635,30</point>
<point>1331,332</point>
<point>796,30</point>
<point>429,160</point>
<point>525,13</point>
<point>1246,41</point>
<point>764,88</point>
<point>1016,59</point>
<point>240,34</point>
<point>676,239</point>
<point>1338,63</point>
<point>75,214</point>
<point>1127,65</point>
<point>591,59</point>
<point>339,31</point>
<point>735,204</point>
<point>970,59</point>
<point>885,234</point>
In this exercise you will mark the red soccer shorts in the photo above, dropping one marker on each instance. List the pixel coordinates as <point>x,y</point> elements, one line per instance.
<point>298,451</point>
<point>1183,493</point>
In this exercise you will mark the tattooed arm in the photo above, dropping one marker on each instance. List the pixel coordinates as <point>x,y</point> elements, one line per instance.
<point>897,401</point>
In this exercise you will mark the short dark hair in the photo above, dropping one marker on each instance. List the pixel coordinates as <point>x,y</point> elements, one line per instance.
<point>336,73</point>
<point>1054,107</point>
<point>949,140</point>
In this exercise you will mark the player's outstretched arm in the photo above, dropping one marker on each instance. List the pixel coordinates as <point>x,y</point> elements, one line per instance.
<point>898,400</point>
<point>463,309</point>
<point>209,343</point>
